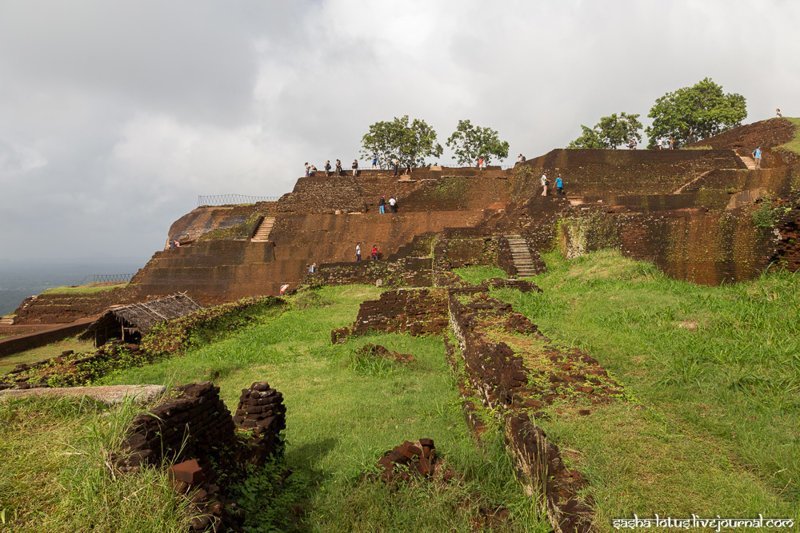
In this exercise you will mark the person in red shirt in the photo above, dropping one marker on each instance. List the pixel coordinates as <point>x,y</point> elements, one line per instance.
<point>374,252</point>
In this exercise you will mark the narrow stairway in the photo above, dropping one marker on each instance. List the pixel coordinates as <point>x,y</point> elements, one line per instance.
<point>521,255</point>
<point>264,229</point>
<point>748,161</point>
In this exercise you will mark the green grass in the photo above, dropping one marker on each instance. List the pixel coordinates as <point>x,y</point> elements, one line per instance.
<point>44,352</point>
<point>93,288</point>
<point>479,273</point>
<point>714,373</point>
<point>55,475</point>
<point>794,144</point>
<point>342,414</point>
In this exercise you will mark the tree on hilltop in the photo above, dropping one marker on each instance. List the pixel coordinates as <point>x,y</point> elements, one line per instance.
<point>470,142</point>
<point>410,142</point>
<point>610,132</point>
<point>694,113</point>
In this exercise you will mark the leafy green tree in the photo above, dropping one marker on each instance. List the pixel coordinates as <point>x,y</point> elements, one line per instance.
<point>590,138</point>
<point>694,113</point>
<point>612,131</point>
<point>470,142</point>
<point>410,142</point>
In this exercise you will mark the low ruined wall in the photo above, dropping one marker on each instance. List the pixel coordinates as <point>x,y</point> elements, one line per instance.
<point>414,311</point>
<point>194,424</point>
<point>494,371</point>
<point>543,474</point>
<point>499,377</point>
<point>195,431</point>
<point>406,272</point>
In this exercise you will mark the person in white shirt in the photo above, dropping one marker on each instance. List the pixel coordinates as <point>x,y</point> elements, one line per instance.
<point>544,183</point>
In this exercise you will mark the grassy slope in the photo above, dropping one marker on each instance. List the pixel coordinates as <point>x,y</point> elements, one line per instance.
<point>794,144</point>
<point>44,352</point>
<point>84,289</point>
<point>479,273</point>
<point>343,414</point>
<point>713,422</point>
<point>54,475</point>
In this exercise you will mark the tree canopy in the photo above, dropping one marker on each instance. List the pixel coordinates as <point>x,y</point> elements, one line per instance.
<point>610,132</point>
<point>470,142</point>
<point>694,113</point>
<point>410,142</point>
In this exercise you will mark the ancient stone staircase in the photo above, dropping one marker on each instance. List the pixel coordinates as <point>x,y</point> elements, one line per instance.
<point>748,161</point>
<point>264,229</point>
<point>521,255</point>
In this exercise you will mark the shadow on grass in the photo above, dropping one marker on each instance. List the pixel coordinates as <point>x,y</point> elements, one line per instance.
<point>302,479</point>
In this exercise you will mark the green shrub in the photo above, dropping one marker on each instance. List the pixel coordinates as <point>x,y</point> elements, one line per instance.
<point>205,325</point>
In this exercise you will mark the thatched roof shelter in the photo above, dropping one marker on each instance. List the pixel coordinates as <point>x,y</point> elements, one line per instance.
<point>130,322</point>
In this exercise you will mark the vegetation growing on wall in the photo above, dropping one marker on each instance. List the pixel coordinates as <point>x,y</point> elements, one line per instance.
<point>581,234</point>
<point>206,325</point>
<point>244,230</point>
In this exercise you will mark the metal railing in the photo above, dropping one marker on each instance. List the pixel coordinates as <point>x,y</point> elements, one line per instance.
<point>107,278</point>
<point>232,199</point>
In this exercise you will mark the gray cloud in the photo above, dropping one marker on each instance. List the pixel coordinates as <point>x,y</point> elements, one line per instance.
<point>115,114</point>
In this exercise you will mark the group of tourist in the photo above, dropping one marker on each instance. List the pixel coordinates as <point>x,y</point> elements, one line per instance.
<point>374,253</point>
<point>311,170</point>
<point>382,204</point>
<point>666,144</point>
<point>545,181</point>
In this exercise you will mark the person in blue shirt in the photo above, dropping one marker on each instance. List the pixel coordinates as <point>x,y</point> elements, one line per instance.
<point>757,156</point>
<point>559,186</point>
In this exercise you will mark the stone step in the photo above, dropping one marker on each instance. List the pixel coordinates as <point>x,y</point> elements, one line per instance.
<point>264,229</point>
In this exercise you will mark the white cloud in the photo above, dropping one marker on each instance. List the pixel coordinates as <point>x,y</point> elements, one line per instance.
<point>115,114</point>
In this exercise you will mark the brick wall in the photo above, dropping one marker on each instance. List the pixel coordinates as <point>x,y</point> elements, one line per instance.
<point>406,272</point>
<point>414,311</point>
<point>194,430</point>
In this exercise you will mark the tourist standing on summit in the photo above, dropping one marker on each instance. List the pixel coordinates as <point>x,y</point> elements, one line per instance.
<point>395,166</point>
<point>374,161</point>
<point>328,167</point>
<point>308,169</point>
<point>757,156</point>
<point>543,180</point>
<point>339,171</point>
<point>480,163</point>
<point>355,167</point>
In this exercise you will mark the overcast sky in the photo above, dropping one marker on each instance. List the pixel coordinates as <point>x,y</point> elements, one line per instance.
<point>115,115</point>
